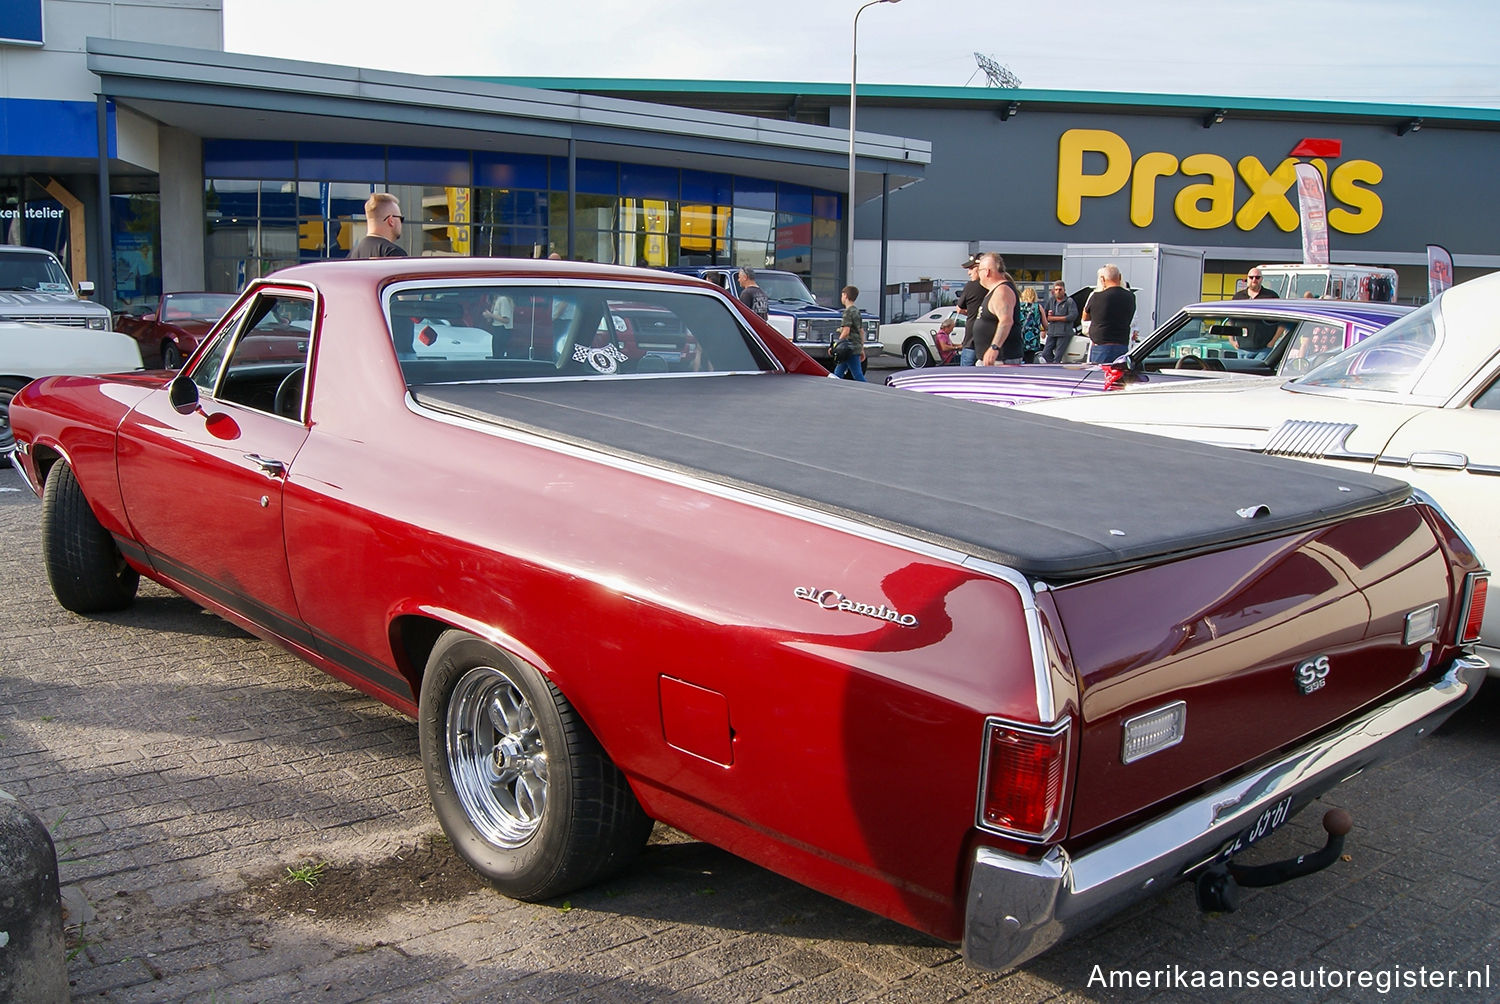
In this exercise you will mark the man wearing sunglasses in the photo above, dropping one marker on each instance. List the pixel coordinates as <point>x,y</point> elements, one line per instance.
<point>1253,289</point>
<point>383,221</point>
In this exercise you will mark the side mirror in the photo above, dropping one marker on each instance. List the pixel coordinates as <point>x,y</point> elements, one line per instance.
<point>85,288</point>
<point>182,394</point>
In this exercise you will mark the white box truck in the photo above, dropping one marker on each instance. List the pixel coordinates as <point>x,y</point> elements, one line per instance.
<point>1165,277</point>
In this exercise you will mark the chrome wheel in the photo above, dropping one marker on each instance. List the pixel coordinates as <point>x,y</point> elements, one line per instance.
<point>917,354</point>
<point>496,757</point>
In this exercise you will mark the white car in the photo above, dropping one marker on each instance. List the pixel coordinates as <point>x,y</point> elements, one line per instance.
<point>921,342</point>
<point>30,350</point>
<point>1419,401</point>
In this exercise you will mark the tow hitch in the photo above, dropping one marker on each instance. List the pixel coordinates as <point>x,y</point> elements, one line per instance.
<point>1218,887</point>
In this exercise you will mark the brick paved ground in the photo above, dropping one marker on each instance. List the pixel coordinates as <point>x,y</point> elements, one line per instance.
<point>184,767</point>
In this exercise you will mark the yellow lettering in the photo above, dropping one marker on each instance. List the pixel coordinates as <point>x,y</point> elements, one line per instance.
<point>1143,185</point>
<point>1268,195</point>
<point>1218,193</point>
<point>1345,185</point>
<point>1073,186</point>
<point>310,235</point>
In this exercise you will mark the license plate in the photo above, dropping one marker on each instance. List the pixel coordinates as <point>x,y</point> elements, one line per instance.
<point>1269,820</point>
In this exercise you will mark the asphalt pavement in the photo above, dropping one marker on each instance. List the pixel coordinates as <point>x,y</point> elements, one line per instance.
<point>234,826</point>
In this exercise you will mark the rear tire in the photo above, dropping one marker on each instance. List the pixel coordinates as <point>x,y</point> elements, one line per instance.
<point>171,356</point>
<point>85,568</point>
<point>522,788</point>
<point>917,354</point>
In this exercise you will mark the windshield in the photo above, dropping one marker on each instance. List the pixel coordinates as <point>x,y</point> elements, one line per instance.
<point>1303,283</point>
<point>1274,281</point>
<point>1388,362</point>
<point>36,272</point>
<point>784,287</point>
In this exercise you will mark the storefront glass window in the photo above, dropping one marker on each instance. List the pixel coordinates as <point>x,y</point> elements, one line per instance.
<point>277,203</point>
<point>136,220</point>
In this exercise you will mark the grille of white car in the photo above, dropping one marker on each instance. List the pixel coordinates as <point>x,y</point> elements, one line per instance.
<point>63,320</point>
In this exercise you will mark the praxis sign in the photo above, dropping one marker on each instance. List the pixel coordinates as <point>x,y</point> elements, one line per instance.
<point>1205,187</point>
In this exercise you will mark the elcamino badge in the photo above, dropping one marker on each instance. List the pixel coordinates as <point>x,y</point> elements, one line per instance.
<point>832,599</point>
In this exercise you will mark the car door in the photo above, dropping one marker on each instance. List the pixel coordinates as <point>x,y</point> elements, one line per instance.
<point>203,490</point>
<point>1453,454</point>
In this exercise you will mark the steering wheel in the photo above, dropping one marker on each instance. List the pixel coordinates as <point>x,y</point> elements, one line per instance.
<point>289,394</point>
<point>1190,363</point>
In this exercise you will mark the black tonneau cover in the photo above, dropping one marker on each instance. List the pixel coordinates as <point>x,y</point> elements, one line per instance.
<point>1051,498</point>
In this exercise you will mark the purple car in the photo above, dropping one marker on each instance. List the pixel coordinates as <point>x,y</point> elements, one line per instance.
<point>1269,338</point>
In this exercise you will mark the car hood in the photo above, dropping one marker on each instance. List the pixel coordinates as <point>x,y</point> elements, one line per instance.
<point>34,350</point>
<point>1253,413</point>
<point>17,302</point>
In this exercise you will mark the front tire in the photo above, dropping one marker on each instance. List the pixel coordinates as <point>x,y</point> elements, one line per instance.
<point>8,390</point>
<point>522,788</point>
<point>85,568</point>
<point>171,356</point>
<point>917,354</point>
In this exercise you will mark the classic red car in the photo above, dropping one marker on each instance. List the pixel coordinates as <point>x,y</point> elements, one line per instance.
<point>170,329</point>
<point>614,589</point>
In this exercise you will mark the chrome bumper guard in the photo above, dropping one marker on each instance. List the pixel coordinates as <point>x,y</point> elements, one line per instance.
<point>1019,907</point>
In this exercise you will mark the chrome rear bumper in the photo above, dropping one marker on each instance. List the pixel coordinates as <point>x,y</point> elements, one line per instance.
<point>1018,907</point>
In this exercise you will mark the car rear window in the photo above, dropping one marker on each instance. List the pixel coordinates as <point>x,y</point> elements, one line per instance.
<point>493,331</point>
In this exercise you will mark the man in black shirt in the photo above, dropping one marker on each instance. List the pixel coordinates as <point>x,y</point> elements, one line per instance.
<point>752,296</point>
<point>969,301</point>
<point>1108,313</point>
<point>1253,289</point>
<point>383,221</point>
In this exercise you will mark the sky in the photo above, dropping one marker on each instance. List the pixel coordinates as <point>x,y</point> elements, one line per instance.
<point>1433,52</point>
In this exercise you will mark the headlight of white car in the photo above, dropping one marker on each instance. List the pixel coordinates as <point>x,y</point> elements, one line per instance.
<point>99,323</point>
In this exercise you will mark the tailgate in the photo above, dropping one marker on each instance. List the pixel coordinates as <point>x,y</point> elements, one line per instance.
<point>1226,633</point>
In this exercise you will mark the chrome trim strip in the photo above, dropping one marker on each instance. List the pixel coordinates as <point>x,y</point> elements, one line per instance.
<point>1019,907</point>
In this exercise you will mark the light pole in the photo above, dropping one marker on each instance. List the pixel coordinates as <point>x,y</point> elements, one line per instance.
<point>853,84</point>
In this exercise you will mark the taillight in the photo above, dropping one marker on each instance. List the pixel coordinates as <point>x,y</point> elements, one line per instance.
<point>1476,590</point>
<point>427,336</point>
<point>1023,778</point>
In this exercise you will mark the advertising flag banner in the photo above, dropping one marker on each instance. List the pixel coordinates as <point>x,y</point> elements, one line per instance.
<point>1439,270</point>
<point>1314,215</point>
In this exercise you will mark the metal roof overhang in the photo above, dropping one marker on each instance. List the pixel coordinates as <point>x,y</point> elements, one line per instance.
<point>216,94</point>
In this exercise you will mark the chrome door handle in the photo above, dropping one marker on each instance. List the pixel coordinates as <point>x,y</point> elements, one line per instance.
<point>269,467</point>
<point>1440,459</point>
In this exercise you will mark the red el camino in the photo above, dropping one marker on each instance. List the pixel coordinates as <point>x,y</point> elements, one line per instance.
<point>612,592</point>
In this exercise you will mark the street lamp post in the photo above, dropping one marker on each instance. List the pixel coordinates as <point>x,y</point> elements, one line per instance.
<point>853,84</point>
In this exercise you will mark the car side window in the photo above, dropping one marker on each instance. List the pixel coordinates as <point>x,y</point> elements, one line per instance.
<point>1313,343</point>
<point>1489,398</point>
<point>267,365</point>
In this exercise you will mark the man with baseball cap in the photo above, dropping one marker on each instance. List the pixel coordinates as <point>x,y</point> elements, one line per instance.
<point>969,301</point>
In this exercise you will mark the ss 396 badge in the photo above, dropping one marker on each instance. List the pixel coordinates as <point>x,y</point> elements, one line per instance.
<point>1312,674</point>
